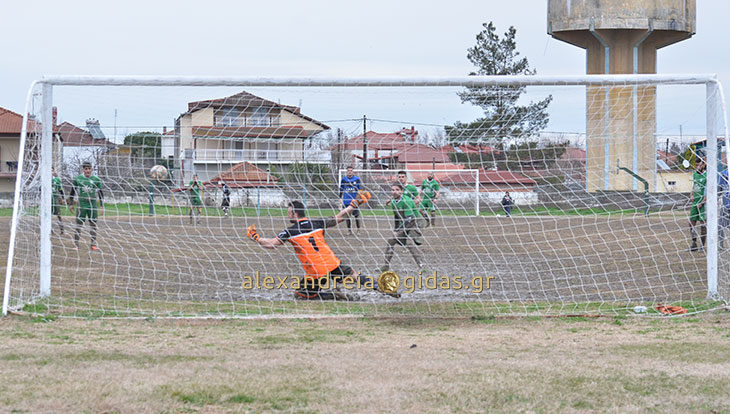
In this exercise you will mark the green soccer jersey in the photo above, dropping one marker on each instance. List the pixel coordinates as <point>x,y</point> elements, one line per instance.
<point>86,188</point>
<point>698,189</point>
<point>429,188</point>
<point>405,207</point>
<point>57,187</point>
<point>195,190</point>
<point>411,191</point>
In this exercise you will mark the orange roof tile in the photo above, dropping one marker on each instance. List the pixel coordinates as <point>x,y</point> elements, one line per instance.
<point>245,174</point>
<point>12,123</point>
<point>250,132</point>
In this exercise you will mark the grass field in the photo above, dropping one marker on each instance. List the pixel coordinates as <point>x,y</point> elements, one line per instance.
<point>479,361</point>
<point>628,364</point>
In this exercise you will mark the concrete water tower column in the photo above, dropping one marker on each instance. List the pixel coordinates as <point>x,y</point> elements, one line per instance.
<point>621,37</point>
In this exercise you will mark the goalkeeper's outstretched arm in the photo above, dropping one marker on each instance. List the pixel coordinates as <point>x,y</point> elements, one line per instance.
<point>272,243</point>
<point>253,234</point>
<point>362,198</point>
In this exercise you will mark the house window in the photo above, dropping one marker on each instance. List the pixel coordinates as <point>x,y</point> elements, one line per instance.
<point>672,182</point>
<point>228,117</point>
<point>260,117</point>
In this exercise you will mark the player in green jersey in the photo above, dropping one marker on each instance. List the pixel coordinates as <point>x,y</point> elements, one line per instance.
<point>195,190</point>
<point>88,187</point>
<point>408,189</point>
<point>697,214</point>
<point>57,198</point>
<point>429,194</point>
<point>405,212</point>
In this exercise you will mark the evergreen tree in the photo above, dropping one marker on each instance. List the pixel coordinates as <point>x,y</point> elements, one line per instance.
<point>503,117</point>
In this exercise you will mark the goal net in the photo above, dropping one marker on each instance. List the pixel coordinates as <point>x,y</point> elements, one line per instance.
<point>519,196</point>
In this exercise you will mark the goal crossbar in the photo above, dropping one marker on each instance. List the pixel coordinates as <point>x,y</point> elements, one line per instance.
<point>460,81</point>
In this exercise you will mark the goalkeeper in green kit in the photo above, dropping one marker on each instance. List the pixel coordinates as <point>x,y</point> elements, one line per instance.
<point>88,188</point>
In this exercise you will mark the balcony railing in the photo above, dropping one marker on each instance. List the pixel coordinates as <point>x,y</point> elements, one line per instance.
<point>254,155</point>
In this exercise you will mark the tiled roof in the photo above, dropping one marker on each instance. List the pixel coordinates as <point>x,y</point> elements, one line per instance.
<point>470,149</point>
<point>247,100</point>
<point>382,141</point>
<point>73,136</point>
<point>12,123</point>
<point>421,153</point>
<point>250,132</point>
<point>503,177</point>
<point>241,99</point>
<point>574,154</point>
<point>244,175</point>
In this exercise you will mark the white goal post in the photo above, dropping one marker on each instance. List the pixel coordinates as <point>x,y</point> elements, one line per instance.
<point>125,280</point>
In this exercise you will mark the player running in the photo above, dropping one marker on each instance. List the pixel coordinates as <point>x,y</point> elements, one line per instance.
<point>697,214</point>
<point>318,260</point>
<point>88,187</point>
<point>405,213</point>
<point>57,198</point>
<point>349,186</point>
<point>429,193</point>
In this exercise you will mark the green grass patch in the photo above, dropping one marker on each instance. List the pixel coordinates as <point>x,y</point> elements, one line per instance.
<point>99,306</point>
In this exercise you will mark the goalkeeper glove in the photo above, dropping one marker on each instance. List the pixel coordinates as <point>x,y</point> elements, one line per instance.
<point>252,233</point>
<point>362,198</point>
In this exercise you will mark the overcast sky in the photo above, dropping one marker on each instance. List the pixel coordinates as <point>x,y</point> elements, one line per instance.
<point>297,38</point>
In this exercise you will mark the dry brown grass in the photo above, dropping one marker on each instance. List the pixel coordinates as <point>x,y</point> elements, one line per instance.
<point>366,365</point>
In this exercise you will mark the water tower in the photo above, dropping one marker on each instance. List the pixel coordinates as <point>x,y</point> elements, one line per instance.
<point>621,37</point>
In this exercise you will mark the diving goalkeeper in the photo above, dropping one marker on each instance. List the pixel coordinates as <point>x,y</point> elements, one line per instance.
<point>318,260</point>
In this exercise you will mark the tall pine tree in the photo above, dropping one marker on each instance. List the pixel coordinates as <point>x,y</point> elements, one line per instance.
<point>503,117</point>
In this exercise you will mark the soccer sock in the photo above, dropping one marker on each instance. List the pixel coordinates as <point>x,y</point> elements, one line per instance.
<point>93,233</point>
<point>77,236</point>
<point>60,223</point>
<point>414,253</point>
<point>389,252</point>
<point>357,222</point>
<point>703,230</point>
<point>349,224</point>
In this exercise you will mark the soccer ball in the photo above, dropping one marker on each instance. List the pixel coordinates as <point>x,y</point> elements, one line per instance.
<point>639,309</point>
<point>158,172</point>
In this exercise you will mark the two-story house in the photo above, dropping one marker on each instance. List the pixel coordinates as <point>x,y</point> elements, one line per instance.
<point>214,135</point>
<point>11,125</point>
<point>10,128</point>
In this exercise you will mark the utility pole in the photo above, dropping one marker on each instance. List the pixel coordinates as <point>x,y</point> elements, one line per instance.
<point>339,149</point>
<point>364,143</point>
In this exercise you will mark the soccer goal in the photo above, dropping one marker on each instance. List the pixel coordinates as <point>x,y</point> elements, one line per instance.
<point>172,197</point>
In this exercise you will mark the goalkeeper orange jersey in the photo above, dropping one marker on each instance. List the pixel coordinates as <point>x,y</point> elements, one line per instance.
<point>307,237</point>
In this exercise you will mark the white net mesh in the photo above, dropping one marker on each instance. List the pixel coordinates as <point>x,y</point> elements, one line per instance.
<point>593,218</point>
